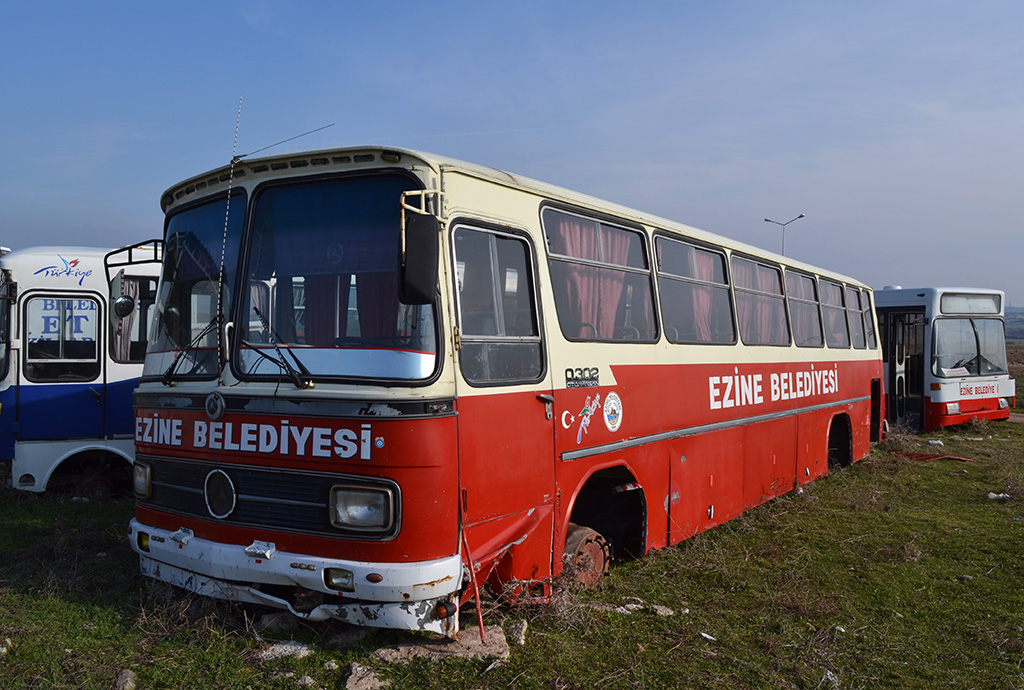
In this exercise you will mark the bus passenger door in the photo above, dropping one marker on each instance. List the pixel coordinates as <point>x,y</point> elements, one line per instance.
<point>505,407</point>
<point>62,393</point>
<point>905,345</point>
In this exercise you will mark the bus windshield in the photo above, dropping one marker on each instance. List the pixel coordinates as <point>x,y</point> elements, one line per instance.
<point>968,347</point>
<point>322,291</point>
<point>185,333</point>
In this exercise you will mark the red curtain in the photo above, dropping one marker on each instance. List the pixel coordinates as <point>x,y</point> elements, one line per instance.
<point>579,239</point>
<point>770,320</point>
<point>377,302</point>
<point>321,313</point>
<point>743,276</point>
<point>703,295</point>
<point>806,325</point>
<point>592,294</point>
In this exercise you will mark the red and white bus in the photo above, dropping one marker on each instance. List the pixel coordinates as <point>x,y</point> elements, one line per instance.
<point>381,380</point>
<point>944,351</point>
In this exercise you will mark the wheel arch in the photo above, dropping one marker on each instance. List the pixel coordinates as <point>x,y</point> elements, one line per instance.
<point>610,500</point>
<point>76,464</point>
<point>839,443</point>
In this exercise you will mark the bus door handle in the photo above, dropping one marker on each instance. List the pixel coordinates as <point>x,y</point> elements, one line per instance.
<point>549,404</point>
<point>99,396</point>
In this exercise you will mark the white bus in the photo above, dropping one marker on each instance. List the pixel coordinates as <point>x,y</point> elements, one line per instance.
<point>67,374</point>
<point>411,377</point>
<point>945,356</point>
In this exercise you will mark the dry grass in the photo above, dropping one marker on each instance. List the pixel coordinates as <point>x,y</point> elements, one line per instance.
<point>887,574</point>
<point>900,439</point>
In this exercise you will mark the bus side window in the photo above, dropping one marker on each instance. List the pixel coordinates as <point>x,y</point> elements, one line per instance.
<point>694,294</point>
<point>837,332</point>
<point>869,321</point>
<point>497,308</point>
<point>803,308</point>
<point>61,339</point>
<point>601,279</point>
<point>855,317</point>
<point>760,305</point>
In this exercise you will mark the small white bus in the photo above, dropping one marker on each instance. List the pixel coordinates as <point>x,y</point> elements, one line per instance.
<point>945,356</point>
<point>67,371</point>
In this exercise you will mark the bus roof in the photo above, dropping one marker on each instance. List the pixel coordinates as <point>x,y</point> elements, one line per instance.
<point>931,299</point>
<point>892,295</point>
<point>370,157</point>
<point>62,267</point>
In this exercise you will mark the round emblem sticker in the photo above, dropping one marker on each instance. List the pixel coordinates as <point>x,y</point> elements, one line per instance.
<point>216,406</point>
<point>612,412</point>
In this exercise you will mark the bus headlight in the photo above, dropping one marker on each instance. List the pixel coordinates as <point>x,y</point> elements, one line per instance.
<point>953,408</point>
<point>1004,403</point>
<point>362,508</point>
<point>141,475</point>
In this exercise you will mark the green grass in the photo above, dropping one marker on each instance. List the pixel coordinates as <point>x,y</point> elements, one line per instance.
<point>889,574</point>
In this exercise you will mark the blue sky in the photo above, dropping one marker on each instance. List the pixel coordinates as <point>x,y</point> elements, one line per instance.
<point>896,127</point>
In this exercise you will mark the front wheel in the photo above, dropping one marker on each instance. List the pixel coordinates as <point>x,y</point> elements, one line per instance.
<point>587,555</point>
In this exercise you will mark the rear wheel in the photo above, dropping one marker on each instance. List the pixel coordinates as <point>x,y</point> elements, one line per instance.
<point>95,487</point>
<point>586,554</point>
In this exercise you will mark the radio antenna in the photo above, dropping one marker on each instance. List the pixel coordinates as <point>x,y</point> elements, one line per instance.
<point>283,141</point>
<point>223,250</point>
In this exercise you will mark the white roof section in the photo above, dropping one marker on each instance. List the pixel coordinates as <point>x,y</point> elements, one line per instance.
<point>375,157</point>
<point>897,295</point>
<point>63,268</point>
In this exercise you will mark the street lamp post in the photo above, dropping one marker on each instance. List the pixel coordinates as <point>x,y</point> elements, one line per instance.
<point>783,225</point>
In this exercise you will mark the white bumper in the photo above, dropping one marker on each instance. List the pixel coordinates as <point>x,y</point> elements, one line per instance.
<point>403,598</point>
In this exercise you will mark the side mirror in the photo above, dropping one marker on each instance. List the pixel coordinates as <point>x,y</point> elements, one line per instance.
<point>417,278</point>
<point>123,306</point>
<point>172,319</point>
<point>118,309</point>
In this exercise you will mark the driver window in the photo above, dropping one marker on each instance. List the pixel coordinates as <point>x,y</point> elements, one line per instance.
<point>497,308</point>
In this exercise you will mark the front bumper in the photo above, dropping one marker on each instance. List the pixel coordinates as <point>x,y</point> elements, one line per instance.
<point>385,595</point>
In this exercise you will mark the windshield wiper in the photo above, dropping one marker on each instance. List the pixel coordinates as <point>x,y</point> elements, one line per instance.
<point>169,372</point>
<point>963,361</point>
<point>283,364</point>
<point>299,381</point>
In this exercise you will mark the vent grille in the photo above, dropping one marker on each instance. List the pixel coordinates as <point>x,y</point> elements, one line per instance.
<point>270,499</point>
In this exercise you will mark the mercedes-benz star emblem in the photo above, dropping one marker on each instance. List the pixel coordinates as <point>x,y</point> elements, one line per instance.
<point>215,406</point>
<point>220,494</point>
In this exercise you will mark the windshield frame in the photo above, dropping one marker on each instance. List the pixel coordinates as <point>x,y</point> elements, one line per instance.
<point>169,370</point>
<point>295,354</point>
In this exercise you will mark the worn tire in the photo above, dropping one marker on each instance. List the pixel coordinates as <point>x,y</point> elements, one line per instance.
<point>587,555</point>
<point>95,487</point>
